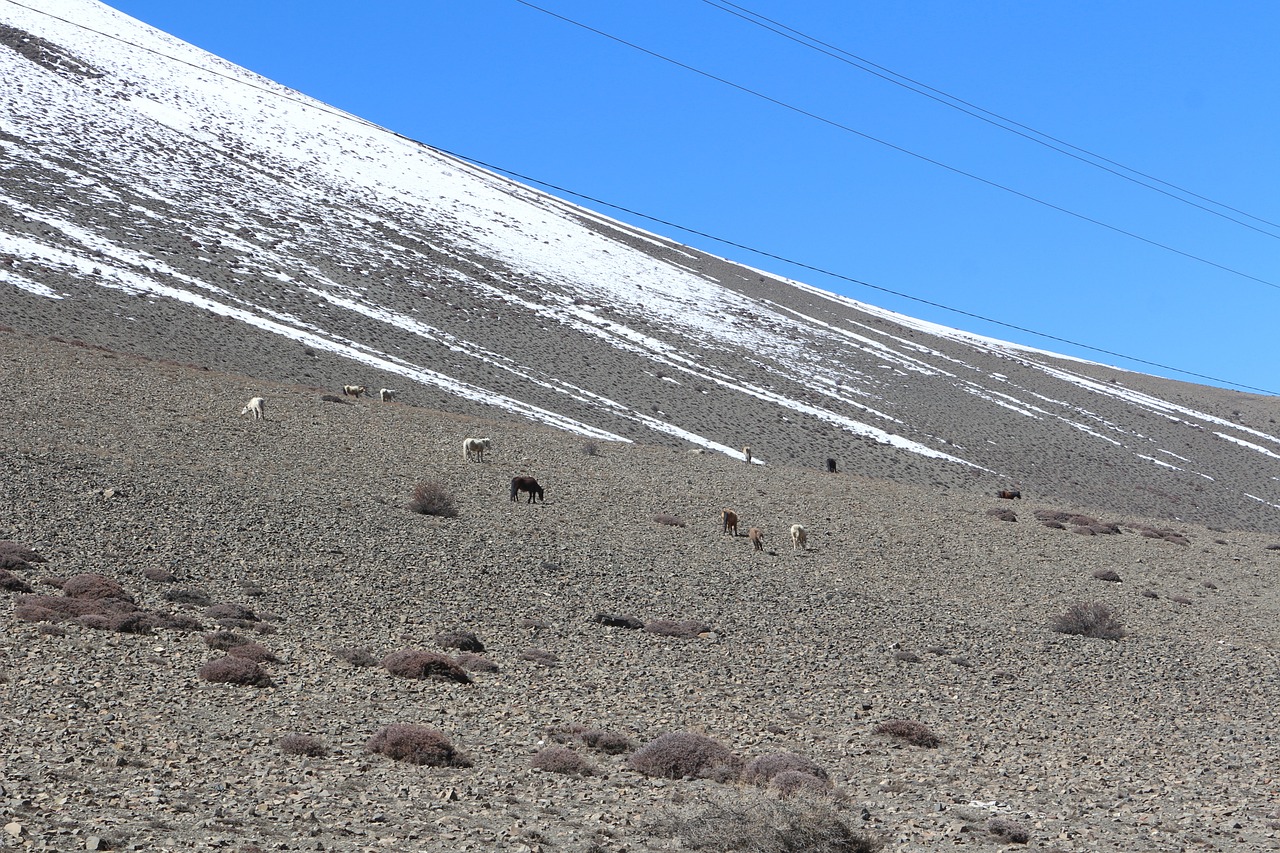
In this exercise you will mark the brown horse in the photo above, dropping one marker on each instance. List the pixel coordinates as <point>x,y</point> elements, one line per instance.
<point>526,484</point>
<point>728,521</point>
<point>756,535</point>
<point>1009,494</point>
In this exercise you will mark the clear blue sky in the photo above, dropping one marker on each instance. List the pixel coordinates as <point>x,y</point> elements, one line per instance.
<point>1186,92</point>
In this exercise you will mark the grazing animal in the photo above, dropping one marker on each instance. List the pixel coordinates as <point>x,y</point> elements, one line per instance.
<point>746,455</point>
<point>1009,494</point>
<point>353,390</point>
<point>386,395</point>
<point>831,465</point>
<point>799,537</point>
<point>527,484</point>
<point>474,448</point>
<point>756,535</point>
<point>255,408</point>
<point>728,521</point>
<point>697,451</point>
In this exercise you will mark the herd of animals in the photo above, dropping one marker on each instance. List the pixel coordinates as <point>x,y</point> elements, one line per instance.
<point>473,450</point>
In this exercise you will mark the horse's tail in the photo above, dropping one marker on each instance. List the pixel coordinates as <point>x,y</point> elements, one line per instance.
<point>515,489</point>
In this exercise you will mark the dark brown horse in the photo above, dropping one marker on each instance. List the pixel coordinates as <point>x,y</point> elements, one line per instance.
<point>526,484</point>
<point>1009,494</point>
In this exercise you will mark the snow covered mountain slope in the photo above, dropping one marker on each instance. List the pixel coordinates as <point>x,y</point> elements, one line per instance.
<point>156,199</point>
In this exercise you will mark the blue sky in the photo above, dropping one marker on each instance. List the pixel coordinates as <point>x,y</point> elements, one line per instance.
<point>1184,92</point>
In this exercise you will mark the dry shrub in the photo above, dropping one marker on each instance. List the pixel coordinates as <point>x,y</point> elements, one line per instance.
<point>50,630</point>
<point>669,520</point>
<point>1089,619</point>
<point>1107,575</point>
<point>15,556</point>
<point>914,733</point>
<point>560,759</point>
<point>566,732</point>
<point>424,665</point>
<point>1003,514</point>
<point>906,656</point>
<point>224,640</point>
<point>254,652</point>
<point>1180,599</point>
<point>611,620</point>
<point>94,621</point>
<point>1008,830</point>
<point>53,581</point>
<point>158,575</point>
<point>590,449</point>
<point>237,671</point>
<point>1208,584</point>
<point>416,745</point>
<point>332,398</point>
<point>1053,515</point>
<point>432,499</point>
<point>611,743</point>
<point>686,755</point>
<point>138,622</point>
<point>472,662</point>
<point>1150,593</point>
<point>762,769</point>
<point>755,822</point>
<point>790,783</point>
<point>1056,525</point>
<point>684,629</point>
<point>308,745</point>
<point>179,622</point>
<point>357,655</point>
<point>12,583</point>
<point>94,587</point>
<point>464,641</point>
<point>1164,533</point>
<point>534,623</point>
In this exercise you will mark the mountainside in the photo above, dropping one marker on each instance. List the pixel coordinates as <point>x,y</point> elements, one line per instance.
<point>155,199</point>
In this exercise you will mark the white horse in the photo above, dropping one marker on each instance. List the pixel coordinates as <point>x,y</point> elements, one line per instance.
<point>474,448</point>
<point>255,408</point>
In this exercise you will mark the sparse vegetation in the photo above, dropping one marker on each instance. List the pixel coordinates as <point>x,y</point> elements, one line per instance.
<point>1003,514</point>
<point>757,823</point>
<point>669,520</point>
<point>416,744</point>
<point>424,665</point>
<point>1180,599</point>
<point>560,759</point>
<point>230,612</point>
<point>541,657</point>
<point>911,731</point>
<point>1090,619</point>
<point>233,670</point>
<point>94,587</point>
<point>462,640</point>
<point>762,769</point>
<point>472,662</point>
<point>357,655</point>
<point>1008,830</point>
<point>194,597</point>
<point>223,640</point>
<point>684,629</point>
<point>618,621</point>
<point>12,583</point>
<point>430,498</point>
<point>1109,575</point>
<point>686,755</point>
<point>254,652</point>
<point>308,745</point>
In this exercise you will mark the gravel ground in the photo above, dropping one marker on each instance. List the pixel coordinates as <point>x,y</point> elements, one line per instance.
<point>909,604</point>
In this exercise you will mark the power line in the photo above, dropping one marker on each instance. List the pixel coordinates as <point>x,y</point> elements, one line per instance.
<point>319,106</point>
<point>847,129</point>
<point>992,118</point>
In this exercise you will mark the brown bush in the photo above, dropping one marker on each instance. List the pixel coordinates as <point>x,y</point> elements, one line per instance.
<point>789,783</point>
<point>1008,830</point>
<point>686,755</point>
<point>93,586</point>
<point>416,745</point>
<point>762,769</point>
<point>472,662</point>
<point>617,621</point>
<point>1003,514</point>
<point>461,640</point>
<point>237,671</point>
<point>1150,593</point>
<point>560,759</point>
<point>1107,575</point>
<point>421,664</point>
<point>1180,599</point>
<point>669,520</point>
<point>1089,619</point>
<point>357,655</point>
<point>254,652</point>
<point>608,742</point>
<point>138,622</point>
<point>179,622</point>
<point>158,575</point>
<point>915,733</point>
<point>233,612</point>
<point>12,583</point>
<point>224,640</point>
<point>194,597</point>
<point>432,499</point>
<point>541,657</point>
<point>684,629</point>
<point>16,556</point>
<point>308,745</point>
<point>746,821</point>
<point>906,656</point>
<point>94,621</point>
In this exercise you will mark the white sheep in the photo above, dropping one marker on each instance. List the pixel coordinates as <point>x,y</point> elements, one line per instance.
<point>799,537</point>
<point>255,408</point>
<point>474,448</point>
<point>353,390</point>
<point>386,395</point>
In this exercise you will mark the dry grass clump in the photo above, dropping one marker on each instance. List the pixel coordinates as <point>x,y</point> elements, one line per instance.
<point>612,620</point>
<point>611,743</point>
<point>464,641</point>
<point>237,671</point>
<point>686,755</point>
<point>684,629</point>
<point>254,652</point>
<point>753,822</point>
<point>230,612</point>
<point>194,597</point>
<point>1107,575</point>
<point>1003,514</point>
<point>424,665</point>
<point>669,520</point>
<point>16,556</point>
<point>913,732</point>
<point>1180,599</point>
<point>432,499</point>
<point>906,656</point>
<point>790,783</point>
<point>223,640</point>
<point>1150,593</point>
<point>561,759</point>
<point>472,662</point>
<point>1089,619</point>
<point>1164,533</point>
<point>158,575</point>
<point>762,769</point>
<point>357,655</point>
<point>308,745</point>
<point>138,622</point>
<point>94,587</point>
<point>1008,830</point>
<point>416,745</point>
<point>12,583</point>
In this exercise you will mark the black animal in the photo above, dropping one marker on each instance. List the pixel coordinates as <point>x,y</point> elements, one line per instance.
<point>1009,494</point>
<point>526,484</point>
<point>831,466</point>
